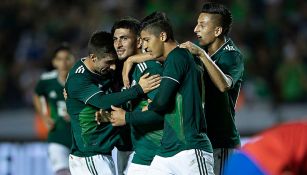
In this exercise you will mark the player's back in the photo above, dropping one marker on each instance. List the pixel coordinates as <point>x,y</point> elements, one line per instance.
<point>184,125</point>
<point>89,138</point>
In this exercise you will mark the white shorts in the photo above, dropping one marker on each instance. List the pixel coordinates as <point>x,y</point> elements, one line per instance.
<point>94,165</point>
<point>221,155</point>
<point>187,162</point>
<point>122,160</point>
<point>58,155</point>
<point>137,169</point>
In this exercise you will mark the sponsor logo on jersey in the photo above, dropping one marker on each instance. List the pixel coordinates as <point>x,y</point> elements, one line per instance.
<point>80,70</point>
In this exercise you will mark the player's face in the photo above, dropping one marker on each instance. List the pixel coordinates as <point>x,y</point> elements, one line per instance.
<point>63,61</point>
<point>125,43</point>
<point>152,44</point>
<point>104,65</point>
<point>205,29</point>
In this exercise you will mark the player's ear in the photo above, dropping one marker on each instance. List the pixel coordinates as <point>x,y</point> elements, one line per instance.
<point>93,57</point>
<point>163,36</point>
<point>218,31</point>
<point>139,42</point>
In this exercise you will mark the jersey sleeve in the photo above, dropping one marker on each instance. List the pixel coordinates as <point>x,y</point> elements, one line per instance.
<point>176,66</point>
<point>232,65</point>
<point>143,118</point>
<point>40,88</point>
<point>151,67</point>
<point>89,93</point>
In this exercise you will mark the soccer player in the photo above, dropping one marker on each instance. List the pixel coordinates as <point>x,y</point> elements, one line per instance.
<point>224,68</point>
<point>127,43</point>
<point>48,97</point>
<point>185,148</point>
<point>88,89</point>
<point>280,150</point>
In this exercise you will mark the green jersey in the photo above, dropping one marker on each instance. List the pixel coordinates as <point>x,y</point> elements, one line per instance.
<point>220,106</point>
<point>179,99</point>
<point>87,93</point>
<point>52,90</point>
<point>146,138</point>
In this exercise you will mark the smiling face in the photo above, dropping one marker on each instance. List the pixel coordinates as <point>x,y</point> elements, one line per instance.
<point>125,43</point>
<point>152,43</point>
<point>206,29</point>
<point>103,65</point>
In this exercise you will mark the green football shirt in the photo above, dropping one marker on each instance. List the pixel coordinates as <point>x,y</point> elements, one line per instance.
<point>49,87</point>
<point>179,100</point>
<point>219,106</point>
<point>146,138</point>
<point>87,93</point>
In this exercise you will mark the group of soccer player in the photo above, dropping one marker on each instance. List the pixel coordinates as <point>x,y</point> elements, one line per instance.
<point>171,105</point>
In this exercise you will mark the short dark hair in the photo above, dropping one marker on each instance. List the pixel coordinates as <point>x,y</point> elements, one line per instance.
<point>158,22</point>
<point>127,23</point>
<point>216,8</point>
<point>62,47</point>
<point>101,43</point>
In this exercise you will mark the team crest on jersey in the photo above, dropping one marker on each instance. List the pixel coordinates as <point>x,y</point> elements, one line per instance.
<point>52,94</point>
<point>133,83</point>
<point>80,70</point>
<point>229,48</point>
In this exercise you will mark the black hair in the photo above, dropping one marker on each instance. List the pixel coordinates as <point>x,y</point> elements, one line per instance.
<point>216,8</point>
<point>101,43</point>
<point>127,23</point>
<point>158,22</point>
<point>62,47</point>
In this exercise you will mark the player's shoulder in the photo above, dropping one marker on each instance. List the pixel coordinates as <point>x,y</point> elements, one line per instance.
<point>180,56</point>
<point>79,67</point>
<point>150,64</point>
<point>230,48</point>
<point>49,75</point>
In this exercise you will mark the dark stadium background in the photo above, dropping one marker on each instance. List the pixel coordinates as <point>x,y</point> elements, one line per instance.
<point>272,35</point>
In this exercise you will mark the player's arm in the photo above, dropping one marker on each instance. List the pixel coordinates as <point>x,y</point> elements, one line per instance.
<point>222,81</point>
<point>92,95</point>
<point>138,58</point>
<point>40,106</point>
<point>174,71</point>
<point>163,101</point>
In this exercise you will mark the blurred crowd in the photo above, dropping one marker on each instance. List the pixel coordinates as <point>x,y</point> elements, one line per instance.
<point>272,34</point>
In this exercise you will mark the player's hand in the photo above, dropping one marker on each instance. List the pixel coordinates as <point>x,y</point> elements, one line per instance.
<point>193,48</point>
<point>66,118</point>
<point>102,116</point>
<point>125,73</point>
<point>49,123</point>
<point>64,93</point>
<point>149,83</point>
<point>117,116</point>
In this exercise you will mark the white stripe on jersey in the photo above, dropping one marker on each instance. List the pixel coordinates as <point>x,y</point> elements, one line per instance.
<point>80,69</point>
<point>140,68</point>
<point>92,96</point>
<point>143,68</point>
<point>171,79</point>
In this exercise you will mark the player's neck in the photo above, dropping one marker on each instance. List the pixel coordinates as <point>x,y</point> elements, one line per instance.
<point>62,77</point>
<point>89,64</point>
<point>168,47</point>
<point>213,47</point>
